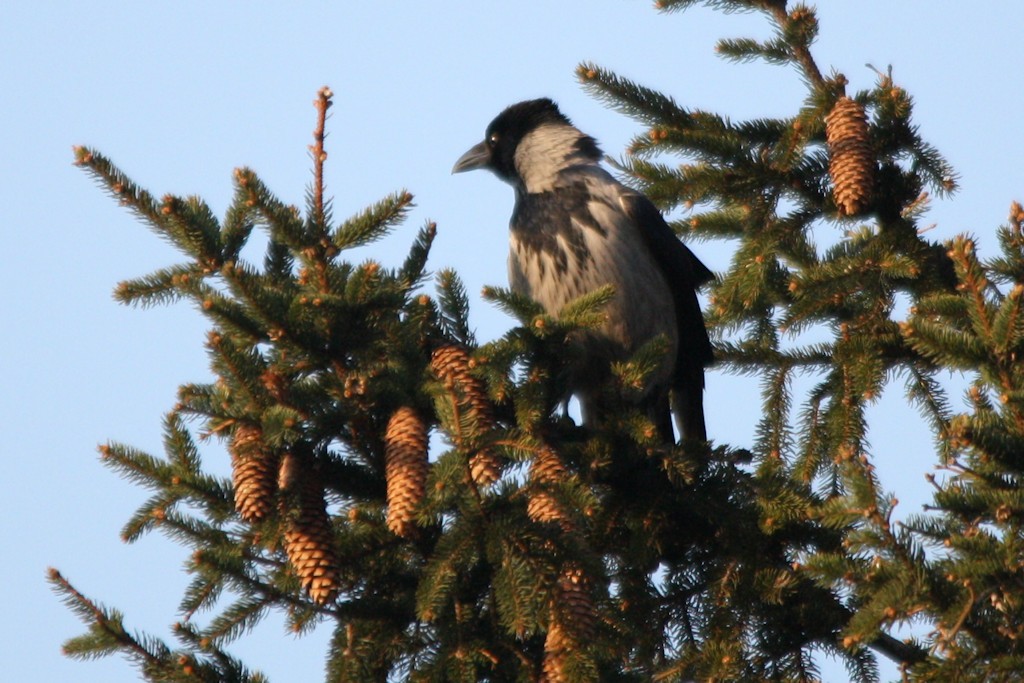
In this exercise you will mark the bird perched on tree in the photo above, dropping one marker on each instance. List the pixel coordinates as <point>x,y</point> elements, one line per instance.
<point>574,229</point>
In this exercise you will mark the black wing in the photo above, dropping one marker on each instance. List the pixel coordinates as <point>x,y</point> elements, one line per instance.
<point>685,274</point>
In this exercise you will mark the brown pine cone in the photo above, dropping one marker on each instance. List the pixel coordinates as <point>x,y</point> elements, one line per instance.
<point>451,364</point>
<point>546,469</point>
<point>556,647</point>
<point>308,538</point>
<point>851,156</point>
<point>575,606</point>
<point>405,458</point>
<point>543,507</point>
<point>572,622</point>
<point>253,473</point>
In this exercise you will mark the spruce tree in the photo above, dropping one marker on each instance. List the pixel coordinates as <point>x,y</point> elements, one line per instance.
<point>520,546</point>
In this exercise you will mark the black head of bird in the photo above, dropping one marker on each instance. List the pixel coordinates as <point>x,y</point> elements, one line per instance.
<point>574,229</point>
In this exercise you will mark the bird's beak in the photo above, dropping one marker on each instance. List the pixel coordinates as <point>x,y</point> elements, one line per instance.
<point>478,156</point>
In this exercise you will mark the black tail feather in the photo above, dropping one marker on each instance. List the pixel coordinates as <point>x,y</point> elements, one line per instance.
<point>689,409</point>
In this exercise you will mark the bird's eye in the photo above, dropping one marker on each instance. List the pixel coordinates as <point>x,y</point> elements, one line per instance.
<point>493,140</point>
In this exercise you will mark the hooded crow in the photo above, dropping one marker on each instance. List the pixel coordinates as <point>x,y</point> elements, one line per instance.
<point>574,229</point>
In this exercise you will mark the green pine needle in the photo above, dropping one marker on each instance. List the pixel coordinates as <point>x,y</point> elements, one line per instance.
<point>373,223</point>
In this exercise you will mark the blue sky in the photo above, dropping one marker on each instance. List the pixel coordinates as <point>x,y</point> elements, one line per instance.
<point>179,94</point>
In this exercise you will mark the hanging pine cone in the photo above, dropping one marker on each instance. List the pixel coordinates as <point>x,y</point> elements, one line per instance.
<point>451,364</point>
<point>253,473</point>
<point>574,604</point>
<point>556,649</point>
<point>547,469</point>
<point>851,157</point>
<point>405,463</point>
<point>308,539</point>
<point>484,467</point>
<point>571,625</point>
<point>543,507</point>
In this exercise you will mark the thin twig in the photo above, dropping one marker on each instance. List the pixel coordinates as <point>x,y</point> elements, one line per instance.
<point>949,636</point>
<point>322,104</point>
